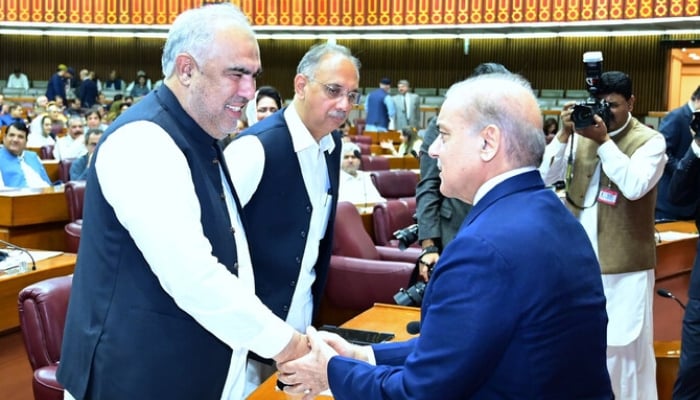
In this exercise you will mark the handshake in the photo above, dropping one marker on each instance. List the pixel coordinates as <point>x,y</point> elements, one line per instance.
<point>303,364</point>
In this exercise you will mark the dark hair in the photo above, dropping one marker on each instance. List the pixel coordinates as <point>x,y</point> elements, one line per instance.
<point>696,94</point>
<point>92,131</point>
<point>549,122</point>
<point>271,92</point>
<point>615,82</point>
<point>20,126</point>
<point>489,68</point>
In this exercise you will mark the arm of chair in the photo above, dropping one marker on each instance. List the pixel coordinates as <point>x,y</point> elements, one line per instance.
<point>394,254</point>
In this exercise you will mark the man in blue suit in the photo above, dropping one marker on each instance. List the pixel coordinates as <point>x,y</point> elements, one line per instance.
<point>676,131</point>
<point>515,305</point>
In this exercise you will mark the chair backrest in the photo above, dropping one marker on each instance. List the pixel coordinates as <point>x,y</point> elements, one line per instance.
<point>374,163</point>
<point>75,192</point>
<point>42,317</point>
<point>64,169</point>
<point>357,284</point>
<point>391,216</point>
<point>395,184</point>
<point>362,139</point>
<point>46,152</point>
<point>73,230</point>
<point>350,238</point>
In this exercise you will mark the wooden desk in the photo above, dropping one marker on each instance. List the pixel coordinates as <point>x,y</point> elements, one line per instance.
<point>34,218</point>
<point>10,285</point>
<point>381,317</point>
<point>52,167</point>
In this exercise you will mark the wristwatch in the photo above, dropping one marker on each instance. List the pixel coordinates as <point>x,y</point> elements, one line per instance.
<point>428,250</point>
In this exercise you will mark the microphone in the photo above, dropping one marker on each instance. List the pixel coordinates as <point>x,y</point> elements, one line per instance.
<point>667,293</point>
<point>22,249</point>
<point>414,154</point>
<point>413,327</point>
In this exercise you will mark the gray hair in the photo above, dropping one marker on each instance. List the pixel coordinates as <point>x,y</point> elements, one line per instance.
<point>505,100</point>
<point>193,31</point>
<point>311,60</point>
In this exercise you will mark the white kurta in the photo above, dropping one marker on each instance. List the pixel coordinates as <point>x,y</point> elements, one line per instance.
<point>153,196</point>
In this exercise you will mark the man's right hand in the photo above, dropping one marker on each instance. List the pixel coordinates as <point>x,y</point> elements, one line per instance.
<point>567,125</point>
<point>296,348</point>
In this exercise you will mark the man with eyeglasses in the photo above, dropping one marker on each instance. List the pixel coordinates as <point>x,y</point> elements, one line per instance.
<point>285,170</point>
<point>79,168</point>
<point>73,144</point>
<point>379,108</point>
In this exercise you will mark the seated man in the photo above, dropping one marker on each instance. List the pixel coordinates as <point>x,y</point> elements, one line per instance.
<point>73,144</point>
<point>355,186</point>
<point>20,168</point>
<point>80,167</point>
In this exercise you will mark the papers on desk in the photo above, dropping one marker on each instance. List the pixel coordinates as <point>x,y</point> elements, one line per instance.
<point>669,236</point>
<point>18,261</point>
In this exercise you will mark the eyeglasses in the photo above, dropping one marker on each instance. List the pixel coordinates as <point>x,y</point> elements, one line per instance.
<point>334,91</point>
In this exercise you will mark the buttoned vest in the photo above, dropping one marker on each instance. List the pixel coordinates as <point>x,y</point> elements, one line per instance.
<point>625,230</point>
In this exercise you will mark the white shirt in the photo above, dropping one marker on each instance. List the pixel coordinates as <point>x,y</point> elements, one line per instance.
<point>67,147</point>
<point>37,139</point>
<point>635,176</point>
<point>245,157</point>
<point>358,189</point>
<point>177,250</point>
<point>18,82</point>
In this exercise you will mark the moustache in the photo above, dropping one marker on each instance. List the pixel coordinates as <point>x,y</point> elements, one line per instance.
<point>338,114</point>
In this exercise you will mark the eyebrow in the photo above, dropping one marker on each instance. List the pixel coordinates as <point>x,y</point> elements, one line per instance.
<point>246,71</point>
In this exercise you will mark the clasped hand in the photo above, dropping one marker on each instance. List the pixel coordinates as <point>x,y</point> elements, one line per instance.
<point>307,375</point>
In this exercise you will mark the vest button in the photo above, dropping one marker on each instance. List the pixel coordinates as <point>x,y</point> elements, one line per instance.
<point>285,308</point>
<point>233,230</point>
<point>303,234</point>
<point>235,266</point>
<point>223,196</point>
<point>292,283</point>
<point>308,209</point>
<point>298,260</point>
<point>215,161</point>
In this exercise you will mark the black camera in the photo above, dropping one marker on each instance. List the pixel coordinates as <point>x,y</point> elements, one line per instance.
<point>407,236</point>
<point>695,124</point>
<point>583,112</point>
<point>412,296</point>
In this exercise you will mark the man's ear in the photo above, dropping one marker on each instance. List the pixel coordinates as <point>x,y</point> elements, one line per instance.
<point>491,137</point>
<point>184,67</point>
<point>300,82</point>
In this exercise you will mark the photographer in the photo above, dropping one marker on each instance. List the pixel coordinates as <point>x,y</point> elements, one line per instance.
<point>684,189</point>
<point>611,174</point>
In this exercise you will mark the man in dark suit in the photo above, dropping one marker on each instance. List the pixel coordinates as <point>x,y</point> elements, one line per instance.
<point>684,190</point>
<point>675,128</point>
<point>285,169</point>
<point>515,306</point>
<point>87,91</point>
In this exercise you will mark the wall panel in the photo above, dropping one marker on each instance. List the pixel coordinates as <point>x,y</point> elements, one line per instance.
<point>547,63</point>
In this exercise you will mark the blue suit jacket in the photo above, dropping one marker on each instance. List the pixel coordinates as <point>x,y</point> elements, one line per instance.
<point>675,127</point>
<point>514,309</point>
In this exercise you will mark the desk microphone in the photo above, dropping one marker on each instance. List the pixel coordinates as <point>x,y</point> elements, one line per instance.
<point>413,327</point>
<point>22,249</point>
<point>667,293</point>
